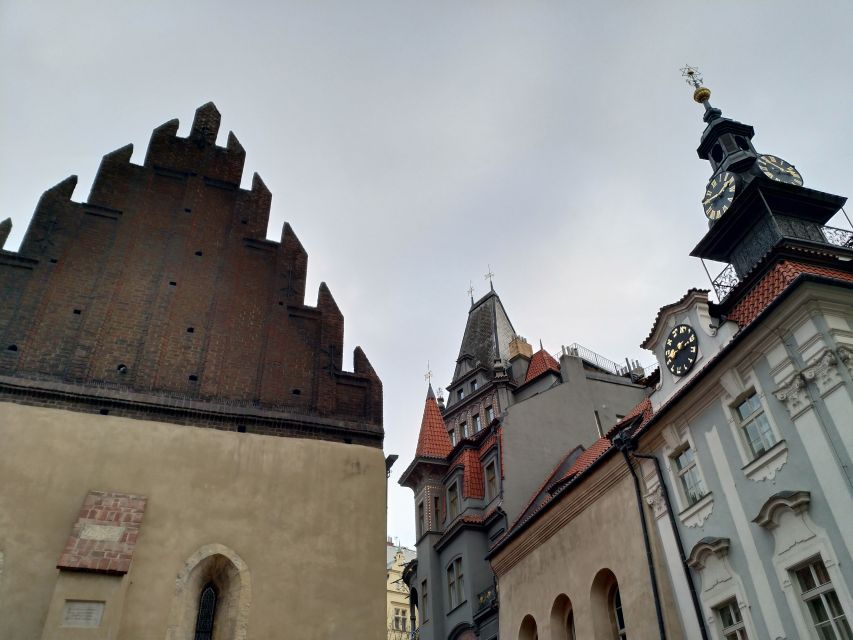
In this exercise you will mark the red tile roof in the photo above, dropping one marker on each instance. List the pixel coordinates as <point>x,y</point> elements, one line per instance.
<point>541,362</point>
<point>774,283</point>
<point>472,484</point>
<point>433,441</point>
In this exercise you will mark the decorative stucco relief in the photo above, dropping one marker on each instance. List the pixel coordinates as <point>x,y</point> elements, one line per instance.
<point>845,354</point>
<point>709,558</point>
<point>696,514</point>
<point>785,515</point>
<point>823,372</point>
<point>768,465</point>
<point>794,395</point>
<point>656,501</point>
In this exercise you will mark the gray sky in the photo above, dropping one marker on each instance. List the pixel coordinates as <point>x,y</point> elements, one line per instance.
<point>411,144</point>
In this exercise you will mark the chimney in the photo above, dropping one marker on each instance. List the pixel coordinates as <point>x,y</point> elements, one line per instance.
<point>519,347</point>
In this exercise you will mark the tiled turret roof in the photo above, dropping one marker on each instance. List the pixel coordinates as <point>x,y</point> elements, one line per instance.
<point>433,441</point>
<point>541,362</point>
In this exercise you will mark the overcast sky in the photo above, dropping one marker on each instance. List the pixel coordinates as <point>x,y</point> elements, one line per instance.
<point>412,143</point>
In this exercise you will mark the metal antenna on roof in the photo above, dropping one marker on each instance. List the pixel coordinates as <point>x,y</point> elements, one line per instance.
<point>489,277</point>
<point>471,291</point>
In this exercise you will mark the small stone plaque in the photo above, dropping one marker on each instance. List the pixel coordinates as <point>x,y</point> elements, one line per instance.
<point>81,613</point>
<point>101,532</point>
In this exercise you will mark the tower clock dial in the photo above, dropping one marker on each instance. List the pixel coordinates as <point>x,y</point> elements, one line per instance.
<point>778,169</point>
<point>719,195</point>
<point>680,349</point>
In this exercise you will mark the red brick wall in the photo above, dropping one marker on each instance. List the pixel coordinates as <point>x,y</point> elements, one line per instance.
<point>104,536</point>
<point>91,288</point>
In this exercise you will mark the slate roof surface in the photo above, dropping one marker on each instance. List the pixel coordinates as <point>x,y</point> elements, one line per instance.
<point>433,441</point>
<point>488,331</point>
<point>541,362</point>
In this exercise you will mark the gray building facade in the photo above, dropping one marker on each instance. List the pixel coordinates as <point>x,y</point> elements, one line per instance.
<point>509,417</point>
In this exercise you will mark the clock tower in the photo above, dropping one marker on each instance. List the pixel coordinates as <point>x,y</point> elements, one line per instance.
<point>759,212</point>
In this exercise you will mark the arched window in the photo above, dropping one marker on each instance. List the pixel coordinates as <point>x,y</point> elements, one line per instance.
<point>606,601</point>
<point>528,629</point>
<point>206,612</point>
<point>616,615</point>
<point>562,619</point>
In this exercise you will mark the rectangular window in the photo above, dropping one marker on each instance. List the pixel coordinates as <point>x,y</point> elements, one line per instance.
<point>461,394</point>
<point>821,602</point>
<point>452,501</point>
<point>491,481</point>
<point>473,386</point>
<point>755,426</point>
<point>452,434</point>
<point>424,601</point>
<point>421,520</point>
<point>731,622</point>
<point>475,423</point>
<point>455,583</point>
<point>436,510</point>
<point>490,415</point>
<point>691,481</point>
<point>463,429</point>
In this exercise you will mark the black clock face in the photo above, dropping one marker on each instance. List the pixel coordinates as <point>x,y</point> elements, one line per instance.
<point>719,195</point>
<point>777,169</point>
<point>680,349</point>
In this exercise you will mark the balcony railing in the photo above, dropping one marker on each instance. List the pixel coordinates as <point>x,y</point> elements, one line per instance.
<point>596,360</point>
<point>487,599</point>
<point>728,278</point>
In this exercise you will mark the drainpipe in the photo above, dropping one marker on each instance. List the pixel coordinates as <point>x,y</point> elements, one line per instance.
<point>622,441</point>
<point>697,608</point>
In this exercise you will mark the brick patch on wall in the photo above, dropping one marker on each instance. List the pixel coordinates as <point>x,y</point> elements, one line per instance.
<point>104,536</point>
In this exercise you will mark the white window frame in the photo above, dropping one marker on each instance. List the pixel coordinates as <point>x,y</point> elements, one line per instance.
<point>617,611</point>
<point>815,593</point>
<point>752,419</point>
<point>739,625</point>
<point>490,414</point>
<point>475,424</point>
<point>681,473</point>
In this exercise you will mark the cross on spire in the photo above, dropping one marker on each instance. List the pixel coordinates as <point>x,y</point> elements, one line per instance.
<point>471,291</point>
<point>489,277</point>
<point>428,374</point>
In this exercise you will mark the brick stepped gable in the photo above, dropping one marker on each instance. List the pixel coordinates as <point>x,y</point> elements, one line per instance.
<point>164,282</point>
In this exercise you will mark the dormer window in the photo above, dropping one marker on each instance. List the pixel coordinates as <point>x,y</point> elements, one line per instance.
<point>490,414</point>
<point>473,386</point>
<point>460,394</point>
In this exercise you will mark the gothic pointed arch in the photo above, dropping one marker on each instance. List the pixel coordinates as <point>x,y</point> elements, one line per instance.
<point>213,575</point>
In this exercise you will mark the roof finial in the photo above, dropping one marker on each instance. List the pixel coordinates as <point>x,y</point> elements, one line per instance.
<point>694,78</point>
<point>471,291</point>
<point>428,374</point>
<point>541,348</point>
<point>489,277</point>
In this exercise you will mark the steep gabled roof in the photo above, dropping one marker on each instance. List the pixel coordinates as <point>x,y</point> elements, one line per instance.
<point>433,441</point>
<point>541,362</point>
<point>488,332</point>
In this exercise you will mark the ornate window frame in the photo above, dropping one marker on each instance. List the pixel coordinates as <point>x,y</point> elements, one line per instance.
<point>797,540</point>
<point>677,440</point>
<point>736,389</point>
<point>719,582</point>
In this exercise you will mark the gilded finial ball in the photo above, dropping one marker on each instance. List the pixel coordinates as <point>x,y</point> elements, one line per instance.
<point>701,95</point>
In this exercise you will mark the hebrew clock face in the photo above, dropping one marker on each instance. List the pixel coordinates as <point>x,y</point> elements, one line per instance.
<point>778,169</point>
<point>680,349</point>
<point>719,195</point>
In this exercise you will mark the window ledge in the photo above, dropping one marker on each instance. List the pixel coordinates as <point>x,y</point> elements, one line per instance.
<point>456,607</point>
<point>696,514</point>
<point>765,466</point>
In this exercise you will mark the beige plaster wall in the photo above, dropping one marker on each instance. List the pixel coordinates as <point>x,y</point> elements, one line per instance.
<point>593,528</point>
<point>306,516</point>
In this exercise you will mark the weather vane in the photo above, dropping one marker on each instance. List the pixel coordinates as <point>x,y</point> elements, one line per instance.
<point>428,374</point>
<point>694,79</point>
<point>489,277</point>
